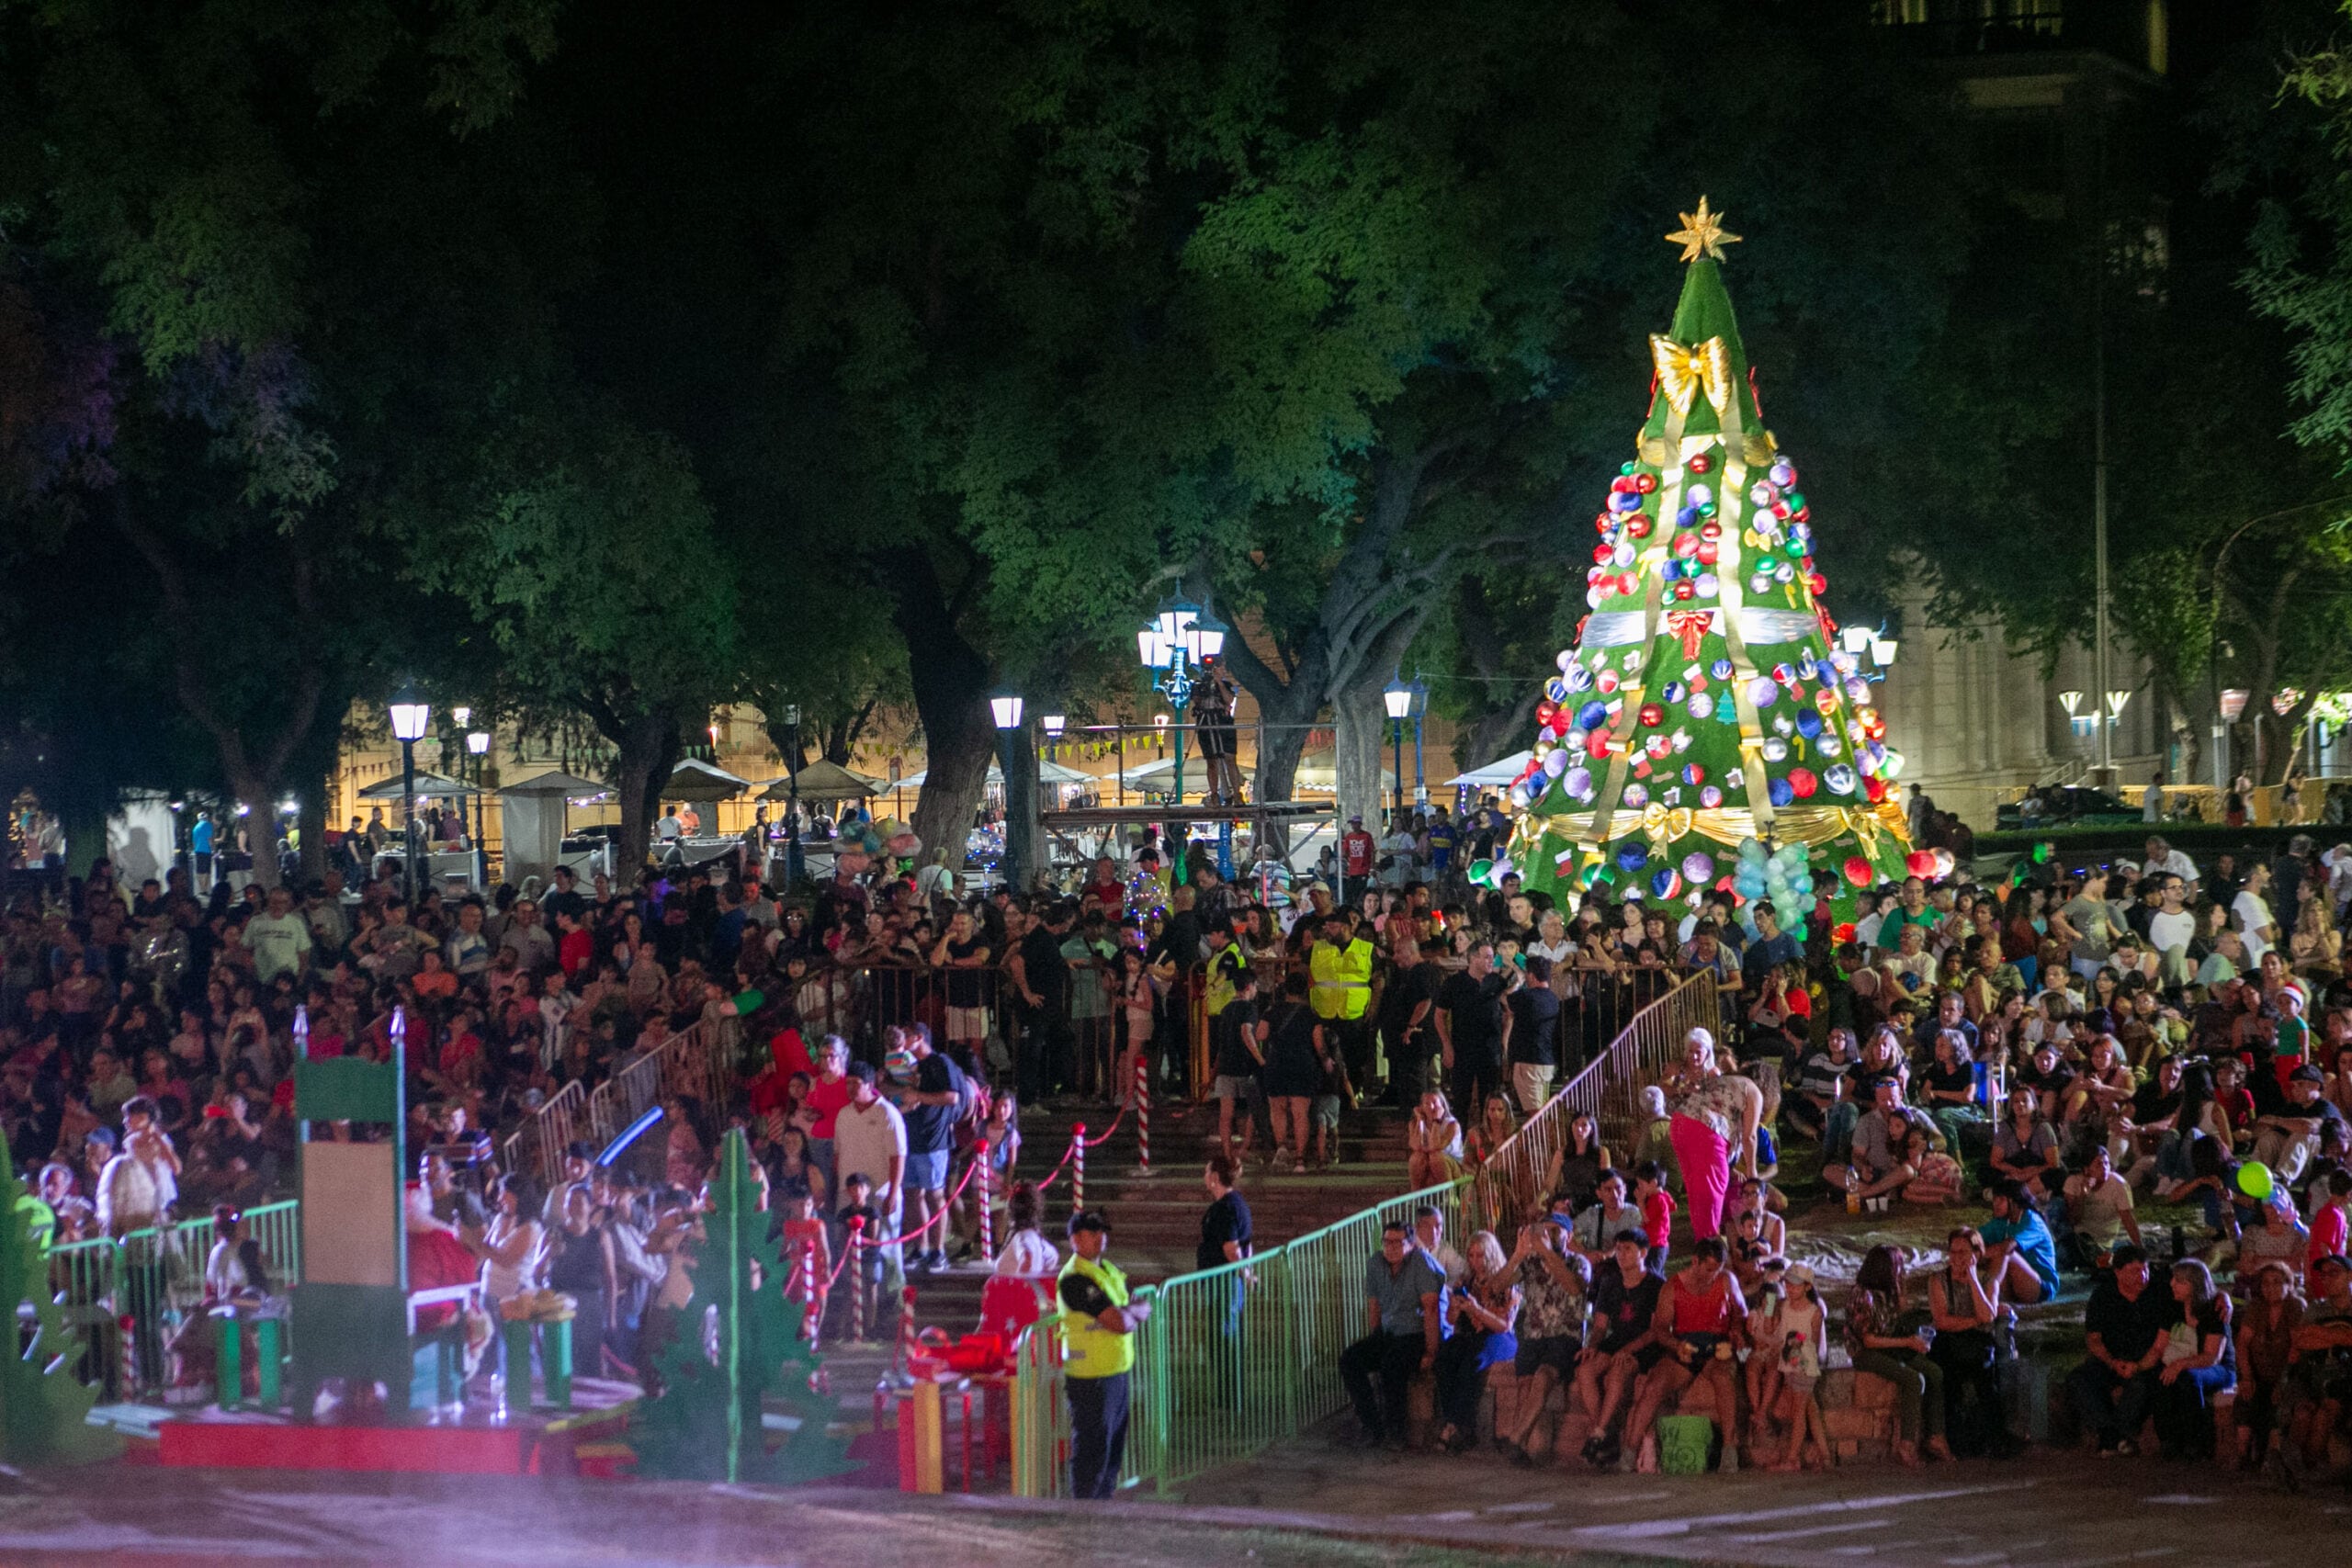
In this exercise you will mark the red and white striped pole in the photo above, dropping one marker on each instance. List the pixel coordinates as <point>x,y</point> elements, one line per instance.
<point>903,1357</point>
<point>988,1221</point>
<point>856,1281</point>
<point>1143,1116</point>
<point>1077,1166</point>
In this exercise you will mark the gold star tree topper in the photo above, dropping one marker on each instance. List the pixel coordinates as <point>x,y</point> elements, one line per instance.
<point>1703,233</point>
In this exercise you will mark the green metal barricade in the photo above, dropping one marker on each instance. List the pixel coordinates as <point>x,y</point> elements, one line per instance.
<point>1233,1360</point>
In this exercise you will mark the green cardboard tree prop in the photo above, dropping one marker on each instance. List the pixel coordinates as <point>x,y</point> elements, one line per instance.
<point>705,1424</point>
<point>44,1408</point>
<point>1706,730</point>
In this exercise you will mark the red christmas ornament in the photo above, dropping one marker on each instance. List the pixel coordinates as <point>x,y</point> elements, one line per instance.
<point>1857,871</point>
<point>1621,485</point>
<point>1686,589</point>
<point>1639,525</point>
<point>1920,862</point>
<point>1709,554</point>
<point>1651,716</point>
<point>1644,483</point>
<point>1842,933</point>
<point>1628,585</point>
<point>1826,700</point>
<point>1710,529</point>
<point>1701,463</point>
<point>1686,545</point>
<point>1606,521</point>
<point>1875,788</point>
<point>1603,551</point>
<point>1819,583</point>
<point>1544,710</point>
<point>1803,782</point>
<point>1561,721</point>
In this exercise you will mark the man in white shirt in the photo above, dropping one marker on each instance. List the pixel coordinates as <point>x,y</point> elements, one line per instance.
<point>2170,929</point>
<point>669,828</point>
<point>2161,857</point>
<point>870,1138</point>
<point>279,941</point>
<point>2250,915</point>
<point>2152,803</point>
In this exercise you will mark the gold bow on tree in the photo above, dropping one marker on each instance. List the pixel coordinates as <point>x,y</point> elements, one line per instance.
<point>1666,825</point>
<point>1682,369</point>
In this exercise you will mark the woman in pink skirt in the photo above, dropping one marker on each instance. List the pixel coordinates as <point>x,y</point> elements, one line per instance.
<point>1714,1118</point>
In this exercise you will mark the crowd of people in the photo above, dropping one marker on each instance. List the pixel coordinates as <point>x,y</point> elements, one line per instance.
<point>2037,1060</point>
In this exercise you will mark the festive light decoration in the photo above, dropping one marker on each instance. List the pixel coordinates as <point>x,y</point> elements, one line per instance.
<point>1719,714</point>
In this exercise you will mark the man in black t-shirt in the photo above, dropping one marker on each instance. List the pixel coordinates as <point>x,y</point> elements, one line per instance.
<point>1225,1223</point>
<point>1534,1025</point>
<point>1239,1040</point>
<point>1470,1031</point>
<point>930,1110</point>
<point>1041,983</point>
<point>2123,1327</point>
<point>1406,1004</point>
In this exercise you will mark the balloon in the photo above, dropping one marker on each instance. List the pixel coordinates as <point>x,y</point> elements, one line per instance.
<point>2255,1180</point>
<point>1857,871</point>
<point>1802,881</point>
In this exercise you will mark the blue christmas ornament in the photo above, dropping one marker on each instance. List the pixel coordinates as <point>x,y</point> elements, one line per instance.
<point>1632,857</point>
<point>1686,518</point>
<point>1665,883</point>
<point>1781,794</point>
<point>1592,715</point>
<point>1623,500</point>
<point>1720,669</point>
<point>1556,689</point>
<point>1673,691</point>
<point>1808,723</point>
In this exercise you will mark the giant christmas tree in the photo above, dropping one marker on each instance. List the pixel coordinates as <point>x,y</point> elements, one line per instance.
<point>1704,730</point>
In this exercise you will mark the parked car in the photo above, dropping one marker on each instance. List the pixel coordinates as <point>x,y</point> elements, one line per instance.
<point>2071,805</point>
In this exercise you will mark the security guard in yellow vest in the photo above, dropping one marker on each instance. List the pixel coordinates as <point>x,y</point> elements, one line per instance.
<point>1098,1325</point>
<point>1340,965</point>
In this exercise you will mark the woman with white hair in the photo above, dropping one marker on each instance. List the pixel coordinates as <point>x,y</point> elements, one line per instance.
<point>1715,1115</point>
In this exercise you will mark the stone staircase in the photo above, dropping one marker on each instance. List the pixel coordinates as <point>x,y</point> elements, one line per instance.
<point>1156,1219</point>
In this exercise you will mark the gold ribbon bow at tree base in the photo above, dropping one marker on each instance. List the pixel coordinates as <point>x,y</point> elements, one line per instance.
<point>1682,371</point>
<point>1806,825</point>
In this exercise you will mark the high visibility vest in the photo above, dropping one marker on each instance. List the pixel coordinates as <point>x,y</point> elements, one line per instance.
<point>1342,978</point>
<point>1224,967</point>
<point>1092,1351</point>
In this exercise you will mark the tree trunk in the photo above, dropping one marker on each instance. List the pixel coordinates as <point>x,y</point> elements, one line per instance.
<point>259,798</point>
<point>1025,840</point>
<point>950,689</point>
<point>311,820</point>
<point>647,748</point>
<point>1360,728</point>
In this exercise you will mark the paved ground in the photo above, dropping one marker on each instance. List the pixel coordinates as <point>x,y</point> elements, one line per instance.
<point>2050,1509</point>
<point>1308,1508</point>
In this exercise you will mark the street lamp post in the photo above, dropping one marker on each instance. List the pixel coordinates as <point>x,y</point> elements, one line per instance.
<point>478,748</point>
<point>1181,633</point>
<point>792,792</point>
<point>1005,709</point>
<point>1398,698</point>
<point>410,716</point>
<point>1420,708</point>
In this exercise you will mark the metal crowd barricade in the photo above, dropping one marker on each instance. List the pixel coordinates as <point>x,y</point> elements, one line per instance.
<point>1232,1360</point>
<point>1514,1182</point>
<point>539,1143</point>
<point>159,1272</point>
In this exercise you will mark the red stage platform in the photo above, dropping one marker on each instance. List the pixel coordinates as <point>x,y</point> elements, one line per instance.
<point>264,1443</point>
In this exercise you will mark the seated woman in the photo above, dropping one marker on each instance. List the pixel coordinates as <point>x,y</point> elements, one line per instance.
<point>2265,1344</point>
<point>1948,1091</point>
<point>2020,1256</point>
<point>2200,1363</point>
<point>1888,1343</point>
<point>1936,1175</point>
<point>2024,1147</point>
<point>1964,1312</point>
<point>1701,1315</point>
<point>1576,1169</point>
<point>1483,1311</point>
<point>1432,1143</point>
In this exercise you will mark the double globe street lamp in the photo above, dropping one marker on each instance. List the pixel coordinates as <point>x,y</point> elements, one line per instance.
<point>411,716</point>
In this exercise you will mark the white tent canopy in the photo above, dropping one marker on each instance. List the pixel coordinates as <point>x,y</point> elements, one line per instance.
<point>1498,774</point>
<point>1048,772</point>
<point>694,779</point>
<point>535,815</point>
<point>429,786</point>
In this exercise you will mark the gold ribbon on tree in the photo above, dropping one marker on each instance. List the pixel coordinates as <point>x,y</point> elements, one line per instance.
<point>1685,369</point>
<point>1807,824</point>
<point>1666,824</point>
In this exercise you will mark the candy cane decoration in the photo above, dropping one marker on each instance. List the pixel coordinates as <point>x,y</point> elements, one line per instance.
<point>1077,1166</point>
<point>988,1220</point>
<point>856,1280</point>
<point>1142,1115</point>
<point>903,1357</point>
